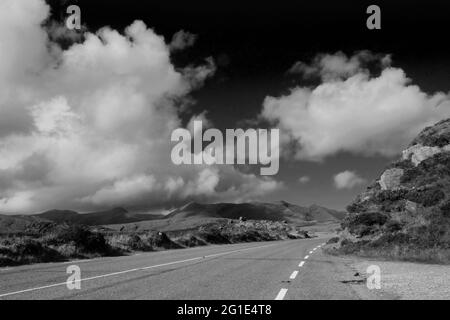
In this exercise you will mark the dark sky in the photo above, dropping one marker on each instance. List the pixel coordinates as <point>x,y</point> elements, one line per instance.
<point>254,43</point>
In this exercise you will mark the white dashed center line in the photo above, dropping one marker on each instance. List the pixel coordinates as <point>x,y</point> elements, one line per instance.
<point>281,294</point>
<point>134,270</point>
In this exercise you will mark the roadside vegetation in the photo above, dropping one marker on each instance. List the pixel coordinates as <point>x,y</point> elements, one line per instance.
<point>80,242</point>
<point>405,215</point>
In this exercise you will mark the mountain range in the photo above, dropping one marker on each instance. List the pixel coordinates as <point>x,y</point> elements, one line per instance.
<point>276,211</point>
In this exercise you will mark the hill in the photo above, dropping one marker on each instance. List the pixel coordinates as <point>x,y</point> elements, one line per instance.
<point>189,216</point>
<point>113,216</point>
<point>194,215</point>
<point>405,214</point>
<point>277,211</point>
<point>26,224</point>
<point>54,219</point>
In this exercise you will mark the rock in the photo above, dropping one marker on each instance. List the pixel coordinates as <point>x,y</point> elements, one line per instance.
<point>437,135</point>
<point>390,179</point>
<point>411,206</point>
<point>418,153</point>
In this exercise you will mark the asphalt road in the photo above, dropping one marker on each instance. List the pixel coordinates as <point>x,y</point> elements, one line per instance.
<point>294,269</point>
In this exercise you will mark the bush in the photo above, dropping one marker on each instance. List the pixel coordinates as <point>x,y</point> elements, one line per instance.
<point>84,239</point>
<point>391,195</point>
<point>410,175</point>
<point>437,165</point>
<point>445,209</point>
<point>368,219</point>
<point>428,197</point>
<point>365,223</point>
<point>356,207</point>
<point>126,242</point>
<point>29,250</point>
<point>390,239</point>
<point>333,240</point>
<point>393,226</point>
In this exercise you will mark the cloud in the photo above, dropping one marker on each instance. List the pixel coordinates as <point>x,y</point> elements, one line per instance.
<point>353,111</point>
<point>89,126</point>
<point>182,40</point>
<point>338,65</point>
<point>347,180</point>
<point>304,179</point>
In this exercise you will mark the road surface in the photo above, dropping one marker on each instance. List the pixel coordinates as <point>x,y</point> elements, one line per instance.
<point>294,269</point>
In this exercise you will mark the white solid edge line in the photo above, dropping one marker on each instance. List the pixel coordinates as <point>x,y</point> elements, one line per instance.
<point>306,257</point>
<point>311,252</point>
<point>293,275</point>
<point>130,270</point>
<point>281,294</point>
<point>301,264</point>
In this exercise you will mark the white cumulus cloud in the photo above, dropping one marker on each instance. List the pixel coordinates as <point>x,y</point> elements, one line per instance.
<point>89,127</point>
<point>353,111</point>
<point>304,179</point>
<point>347,180</point>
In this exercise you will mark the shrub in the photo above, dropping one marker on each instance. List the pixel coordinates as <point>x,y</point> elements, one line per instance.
<point>428,197</point>
<point>29,250</point>
<point>402,164</point>
<point>356,207</point>
<point>393,226</point>
<point>365,223</point>
<point>368,218</point>
<point>391,195</point>
<point>390,239</point>
<point>84,239</point>
<point>445,209</point>
<point>125,242</point>
<point>437,165</point>
<point>333,240</point>
<point>410,175</point>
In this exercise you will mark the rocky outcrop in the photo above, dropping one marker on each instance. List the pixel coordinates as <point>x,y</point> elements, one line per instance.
<point>418,153</point>
<point>390,179</point>
<point>434,136</point>
<point>406,212</point>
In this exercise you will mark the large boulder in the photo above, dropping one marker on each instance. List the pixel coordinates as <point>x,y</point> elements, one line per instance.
<point>418,153</point>
<point>390,179</point>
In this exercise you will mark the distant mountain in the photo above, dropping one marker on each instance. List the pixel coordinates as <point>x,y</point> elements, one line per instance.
<point>25,224</point>
<point>113,216</point>
<point>186,216</point>
<point>277,211</point>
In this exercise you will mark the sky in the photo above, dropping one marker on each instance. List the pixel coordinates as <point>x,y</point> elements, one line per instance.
<point>86,116</point>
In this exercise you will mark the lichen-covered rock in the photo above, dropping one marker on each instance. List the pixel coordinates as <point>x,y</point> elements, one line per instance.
<point>418,153</point>
<point>390,179</point>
